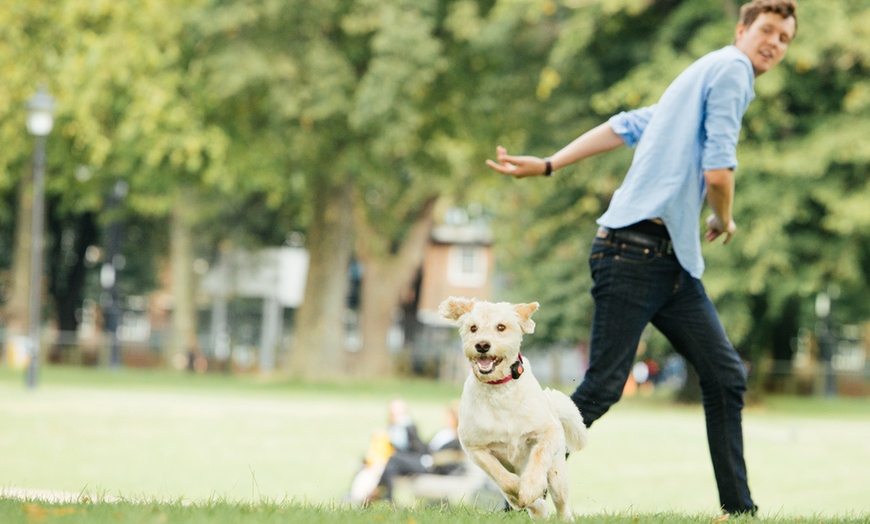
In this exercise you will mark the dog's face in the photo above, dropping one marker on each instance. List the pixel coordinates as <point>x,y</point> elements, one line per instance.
<point>491,333</point>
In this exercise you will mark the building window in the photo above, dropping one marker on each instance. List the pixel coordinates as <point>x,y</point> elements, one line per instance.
<point>467,266</point>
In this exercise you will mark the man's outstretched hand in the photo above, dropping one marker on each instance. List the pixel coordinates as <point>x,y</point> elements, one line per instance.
<point>517,166</point>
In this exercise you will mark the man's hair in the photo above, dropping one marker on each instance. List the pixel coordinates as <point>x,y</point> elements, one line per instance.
<point>784,8</point>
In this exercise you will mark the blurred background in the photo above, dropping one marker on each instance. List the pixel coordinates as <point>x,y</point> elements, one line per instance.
<point>290,187</point>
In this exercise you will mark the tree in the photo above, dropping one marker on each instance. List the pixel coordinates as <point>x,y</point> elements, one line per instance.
<point>279,79</point>
<point>802,153</point>
<point>124,105</point>
<point>368,98</point>
<point>16,47</point>
<point>544,229</point>
<point>411,106</point>
<point>387,275</point>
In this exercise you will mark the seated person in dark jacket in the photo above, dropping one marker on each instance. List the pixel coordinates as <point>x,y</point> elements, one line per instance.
<point>399,438</point>
<point>442,456</point>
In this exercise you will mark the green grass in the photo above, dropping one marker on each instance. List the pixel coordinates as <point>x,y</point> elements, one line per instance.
<point>223,448</point>
<point>241,384</point>
<point>26,512</point>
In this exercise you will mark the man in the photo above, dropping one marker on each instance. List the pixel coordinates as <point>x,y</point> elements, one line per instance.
<point>646,258</point>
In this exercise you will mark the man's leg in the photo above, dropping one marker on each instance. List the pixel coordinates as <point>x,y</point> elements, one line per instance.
<point>692,325</point>
<point>630,284</point>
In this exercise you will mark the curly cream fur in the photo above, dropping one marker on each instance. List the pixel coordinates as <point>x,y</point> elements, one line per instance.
<point>516,431</point>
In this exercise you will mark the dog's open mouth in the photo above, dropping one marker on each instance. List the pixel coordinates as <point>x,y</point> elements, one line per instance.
<point>486,365</point>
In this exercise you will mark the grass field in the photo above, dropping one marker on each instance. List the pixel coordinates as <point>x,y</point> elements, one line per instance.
<point>18,512</point>
<point>282,452</point>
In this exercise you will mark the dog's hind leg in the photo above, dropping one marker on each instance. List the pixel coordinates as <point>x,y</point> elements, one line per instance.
<point>557,478</point>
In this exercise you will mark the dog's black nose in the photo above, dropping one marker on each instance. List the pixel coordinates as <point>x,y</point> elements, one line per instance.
<point>482,347</point>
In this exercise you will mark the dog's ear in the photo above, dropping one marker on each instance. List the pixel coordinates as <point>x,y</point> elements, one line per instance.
<point>525,313</point>
<point>454,307</point>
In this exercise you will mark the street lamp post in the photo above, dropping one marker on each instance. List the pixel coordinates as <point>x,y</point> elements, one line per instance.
<point>826,337</point>
<point>40,120</point>
<point>112,310</point>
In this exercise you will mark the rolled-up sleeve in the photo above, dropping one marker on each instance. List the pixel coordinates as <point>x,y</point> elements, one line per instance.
<point>726,102</point>
<point>629,125</point>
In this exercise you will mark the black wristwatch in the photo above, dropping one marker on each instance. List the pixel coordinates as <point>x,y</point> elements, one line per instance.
<point>548,169</point>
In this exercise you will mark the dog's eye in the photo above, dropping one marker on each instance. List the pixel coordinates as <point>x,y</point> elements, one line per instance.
<point>500,327</point>
<point>473,329</point>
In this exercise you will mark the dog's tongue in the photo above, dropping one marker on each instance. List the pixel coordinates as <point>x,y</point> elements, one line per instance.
<point>485,364</point>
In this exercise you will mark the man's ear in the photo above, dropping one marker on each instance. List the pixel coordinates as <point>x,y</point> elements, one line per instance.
<point>454,307</point>
<point>738,32</point>
<point>525,313</point>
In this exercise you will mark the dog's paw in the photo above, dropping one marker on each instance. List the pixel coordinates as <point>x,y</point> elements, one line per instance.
<point>530,493</point>
<point>566,515</point>
<point>538,509</point>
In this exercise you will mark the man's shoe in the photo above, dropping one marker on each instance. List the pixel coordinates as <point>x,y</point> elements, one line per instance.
<point>738,513</point>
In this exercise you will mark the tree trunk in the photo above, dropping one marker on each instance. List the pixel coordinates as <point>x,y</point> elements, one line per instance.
<point>385,277</point>
<point>379,300</point>
<point>67,272</point>
<point>317,351</point>
<point>15,312</point>
<point>780,378</point>
<point>183,337</point>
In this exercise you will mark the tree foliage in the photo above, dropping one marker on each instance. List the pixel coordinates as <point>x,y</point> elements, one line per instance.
<point>262,118</point>
<point>802,185</point>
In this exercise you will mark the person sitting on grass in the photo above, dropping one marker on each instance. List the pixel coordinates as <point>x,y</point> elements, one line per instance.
<point>443,456</point>
<point>399,439</point>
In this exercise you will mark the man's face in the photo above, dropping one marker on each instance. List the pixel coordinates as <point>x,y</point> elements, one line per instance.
<point>766,40</point>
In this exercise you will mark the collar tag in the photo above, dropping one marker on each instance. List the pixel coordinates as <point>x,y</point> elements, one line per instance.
<point>517,369</point>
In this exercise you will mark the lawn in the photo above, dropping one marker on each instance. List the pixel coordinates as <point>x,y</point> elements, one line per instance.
<point>243,441</point>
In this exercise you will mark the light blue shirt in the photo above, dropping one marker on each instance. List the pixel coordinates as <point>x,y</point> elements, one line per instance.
<point>693,128</point>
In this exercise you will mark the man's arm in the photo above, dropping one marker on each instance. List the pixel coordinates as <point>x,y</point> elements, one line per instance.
<point>597,140</point>
<point>720,197</point>
<point>726,103</point>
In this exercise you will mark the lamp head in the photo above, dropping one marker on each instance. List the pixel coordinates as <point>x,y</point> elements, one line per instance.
<point>40,113</point>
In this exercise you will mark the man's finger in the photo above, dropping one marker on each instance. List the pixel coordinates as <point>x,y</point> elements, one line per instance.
<point>712,234</point>
<point>501,168</point>
<point>493,165</point>
<point>507,159</point>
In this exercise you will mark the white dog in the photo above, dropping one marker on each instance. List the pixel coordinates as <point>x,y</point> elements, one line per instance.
<point>517,432</point>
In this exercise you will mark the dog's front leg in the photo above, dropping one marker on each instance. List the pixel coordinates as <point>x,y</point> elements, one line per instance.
<point>533,483</point>
<point>508,482</point>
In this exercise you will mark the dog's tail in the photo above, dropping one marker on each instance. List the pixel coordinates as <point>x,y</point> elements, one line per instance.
<point>576,437</point>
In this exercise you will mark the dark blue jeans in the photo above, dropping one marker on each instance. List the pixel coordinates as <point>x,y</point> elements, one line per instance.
<point>638,280</point>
